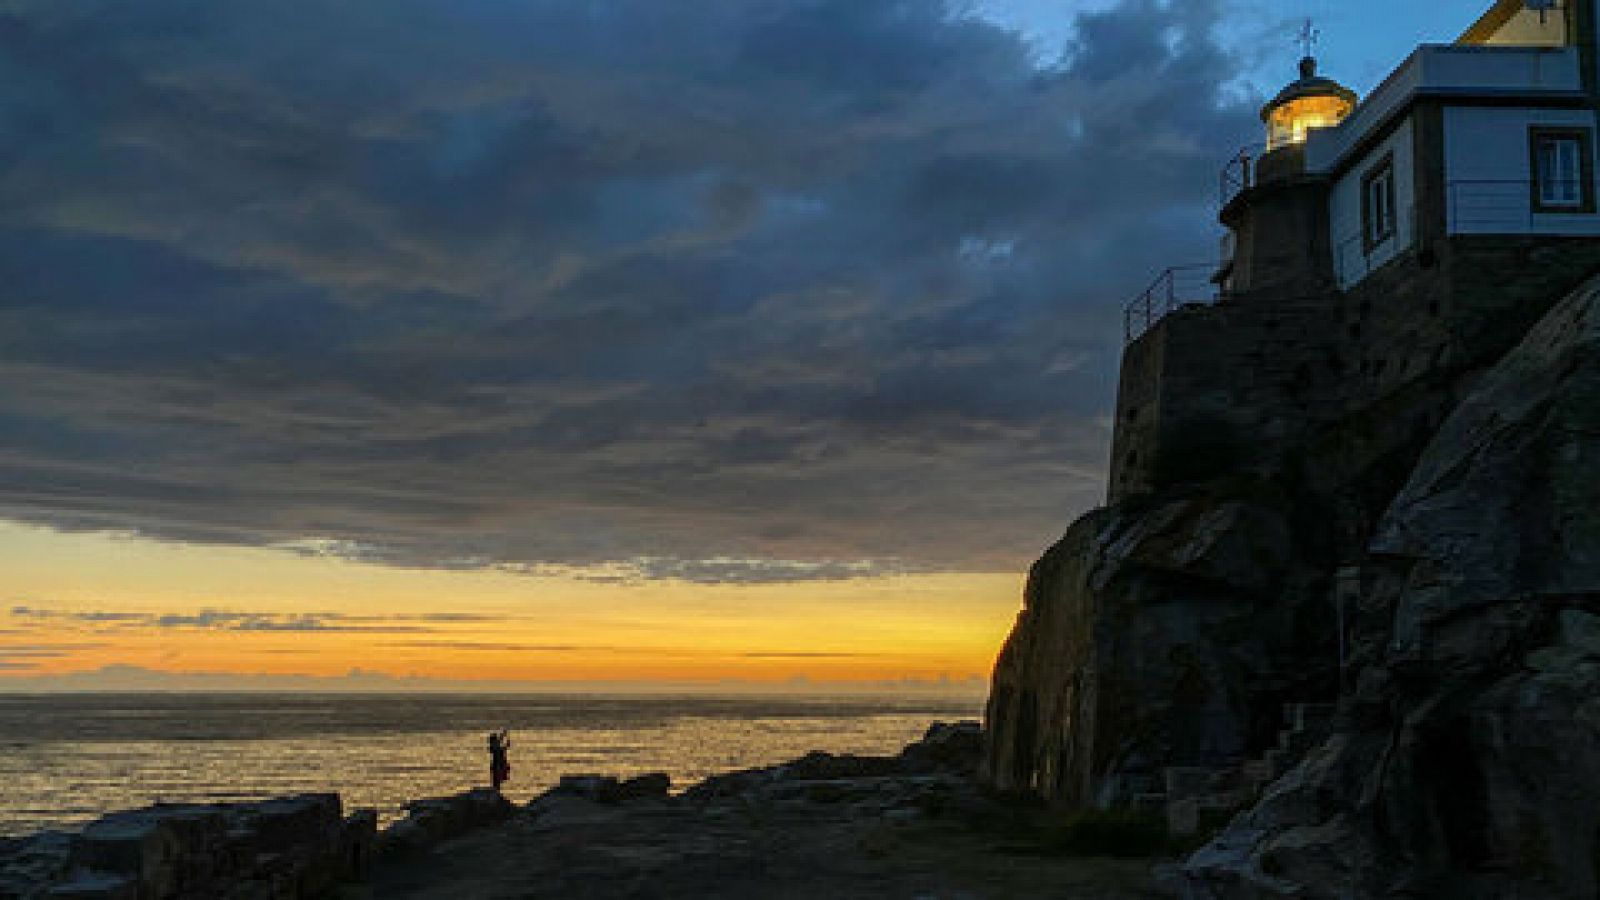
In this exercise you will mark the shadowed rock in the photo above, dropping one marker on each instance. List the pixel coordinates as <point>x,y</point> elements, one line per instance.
<point>435,820</point>
<point>288,848</point>
<point>1468,763</point>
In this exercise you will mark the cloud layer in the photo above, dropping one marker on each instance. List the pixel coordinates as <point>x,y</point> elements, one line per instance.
<point>237,620</point>
<point>726,290</point>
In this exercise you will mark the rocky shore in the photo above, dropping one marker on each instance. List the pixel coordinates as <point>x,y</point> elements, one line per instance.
<point>282,849</point>
<point>917,824</point>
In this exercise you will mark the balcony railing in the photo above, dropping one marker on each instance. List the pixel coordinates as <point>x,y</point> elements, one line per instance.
<point>1239,174</point>
<point>1176,287</point>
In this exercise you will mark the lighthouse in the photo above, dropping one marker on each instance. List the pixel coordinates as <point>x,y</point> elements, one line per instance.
<point>1372,243</point>
<point>1274,210</point>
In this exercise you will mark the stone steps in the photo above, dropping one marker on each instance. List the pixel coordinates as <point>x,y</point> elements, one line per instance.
<point>1193,791</point>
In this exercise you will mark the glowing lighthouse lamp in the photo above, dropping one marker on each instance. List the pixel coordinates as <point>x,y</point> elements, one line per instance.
<point>1311,102</point>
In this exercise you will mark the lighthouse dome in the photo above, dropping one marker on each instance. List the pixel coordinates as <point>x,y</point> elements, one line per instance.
<point>1310,102</point>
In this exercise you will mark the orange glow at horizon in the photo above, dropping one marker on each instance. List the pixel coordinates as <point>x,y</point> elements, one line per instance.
<point>79,602</point>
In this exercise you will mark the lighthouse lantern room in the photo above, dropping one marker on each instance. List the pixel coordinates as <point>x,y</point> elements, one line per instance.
<point>1311,102</point>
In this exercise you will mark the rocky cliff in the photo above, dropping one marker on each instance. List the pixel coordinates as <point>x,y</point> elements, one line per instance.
<point>1469,760</point>
<point>1150,637</point>
<point>1440,580</point>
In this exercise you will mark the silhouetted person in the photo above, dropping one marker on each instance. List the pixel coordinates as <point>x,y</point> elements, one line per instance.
<point>499,764</point>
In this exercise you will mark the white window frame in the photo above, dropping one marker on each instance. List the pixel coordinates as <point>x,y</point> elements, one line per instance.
<point>1380,213</point>
<point>1562,169</point>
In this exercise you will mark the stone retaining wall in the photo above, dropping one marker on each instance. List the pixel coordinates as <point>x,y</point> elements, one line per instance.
<point>1212,390</point>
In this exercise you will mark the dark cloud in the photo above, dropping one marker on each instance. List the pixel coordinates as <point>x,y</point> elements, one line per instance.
<point>717,570</point>
<point>234,620</point>
<point>26,657</point>
<point>723,291</point>
<point>42,651</point>
<point>494,646</point>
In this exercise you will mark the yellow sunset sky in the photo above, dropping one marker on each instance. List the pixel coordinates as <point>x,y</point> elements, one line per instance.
<point>78,602</point>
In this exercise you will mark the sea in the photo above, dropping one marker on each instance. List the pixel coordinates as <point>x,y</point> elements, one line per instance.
<point>66,759</point>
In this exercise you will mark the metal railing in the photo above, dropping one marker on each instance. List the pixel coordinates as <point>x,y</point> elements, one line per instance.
<point>1176,287</point>
<point>1239,173</point>
<point>1506,206</point>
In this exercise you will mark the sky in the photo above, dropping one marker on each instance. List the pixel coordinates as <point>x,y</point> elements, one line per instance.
<point>735,341</point>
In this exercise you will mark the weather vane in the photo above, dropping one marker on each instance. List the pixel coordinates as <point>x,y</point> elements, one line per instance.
<point>1308,38</point>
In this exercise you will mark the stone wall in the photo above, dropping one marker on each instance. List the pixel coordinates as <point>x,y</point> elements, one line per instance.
<point>1281,232</point>
<point>1215,389</point>
<point>1218,389</point>
<point>1138,426</point>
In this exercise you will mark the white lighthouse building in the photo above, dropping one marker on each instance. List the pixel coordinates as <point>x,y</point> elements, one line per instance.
<point>1493,134</point>
<point>1371,244</point>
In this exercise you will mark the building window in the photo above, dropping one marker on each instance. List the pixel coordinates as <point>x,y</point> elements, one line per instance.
<point>1378,219</point>
<point>1563,170</point>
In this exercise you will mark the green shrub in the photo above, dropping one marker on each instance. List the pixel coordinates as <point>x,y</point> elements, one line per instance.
<point>1115,833</point>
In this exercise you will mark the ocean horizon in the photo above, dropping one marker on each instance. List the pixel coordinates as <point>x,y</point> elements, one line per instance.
<point>68,758</point>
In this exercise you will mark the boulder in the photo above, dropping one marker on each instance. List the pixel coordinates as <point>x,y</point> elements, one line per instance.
<point>595,788</point>
<point>814,766</point>
<point>819,766</point>
<point>611,790</point>
<point>286,849</point>
<point>285,823</point>
<point>946,747</point>
<point>95,886</point>
<point>30,861</point>
<point>433,821</point>
<point>164,849</point>
<point>654,786</point>
<point>404,838</point>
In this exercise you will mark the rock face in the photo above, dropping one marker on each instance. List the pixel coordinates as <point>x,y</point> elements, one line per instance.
<point>1469,760</point>
<point>1154,636</point>
<point>290,848</point>
<point>1419,544</point>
